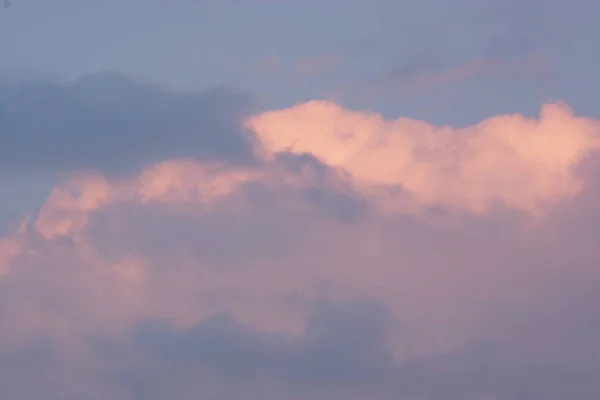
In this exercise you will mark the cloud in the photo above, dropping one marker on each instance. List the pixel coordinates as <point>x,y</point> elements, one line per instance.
<point>357,258</point>
<point>111,123</point>
<point>341,347</point>
<point>522,163</point>
<point>428,72</point>
<point>320,63</point>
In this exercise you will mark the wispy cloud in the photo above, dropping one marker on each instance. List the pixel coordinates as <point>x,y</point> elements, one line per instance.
<point>317,64</point>
<point>426,73</point>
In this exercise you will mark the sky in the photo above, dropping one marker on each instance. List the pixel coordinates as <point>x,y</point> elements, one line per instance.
<point>299,200</point>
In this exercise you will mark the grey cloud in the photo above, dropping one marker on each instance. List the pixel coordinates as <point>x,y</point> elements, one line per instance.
<point>22,371</point>
<point>111,123</point>
<point>348,205</point>
<point>342,349</point>
<point>343,353</point>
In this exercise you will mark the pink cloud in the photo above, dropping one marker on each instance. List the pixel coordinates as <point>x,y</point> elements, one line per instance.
<point>444,244</point>
<point>523,163</point>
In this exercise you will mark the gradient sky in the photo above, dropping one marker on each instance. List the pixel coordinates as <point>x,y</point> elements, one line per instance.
<point>298,200</point>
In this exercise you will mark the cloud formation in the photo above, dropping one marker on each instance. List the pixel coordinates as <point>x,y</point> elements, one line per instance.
<point>427,72</point>
<point>112,123</point>
<point>523,163</point>
<point>359,258</point>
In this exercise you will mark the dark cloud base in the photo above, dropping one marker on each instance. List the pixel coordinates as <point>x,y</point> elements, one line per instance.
<point>343,354</point>
<point>111,123</point>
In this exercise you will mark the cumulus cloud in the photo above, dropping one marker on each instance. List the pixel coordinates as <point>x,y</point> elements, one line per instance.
<point>523,163</point>
<point>359,258</point>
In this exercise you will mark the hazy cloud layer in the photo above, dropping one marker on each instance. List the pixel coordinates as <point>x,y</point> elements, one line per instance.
<point>357,258</point>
